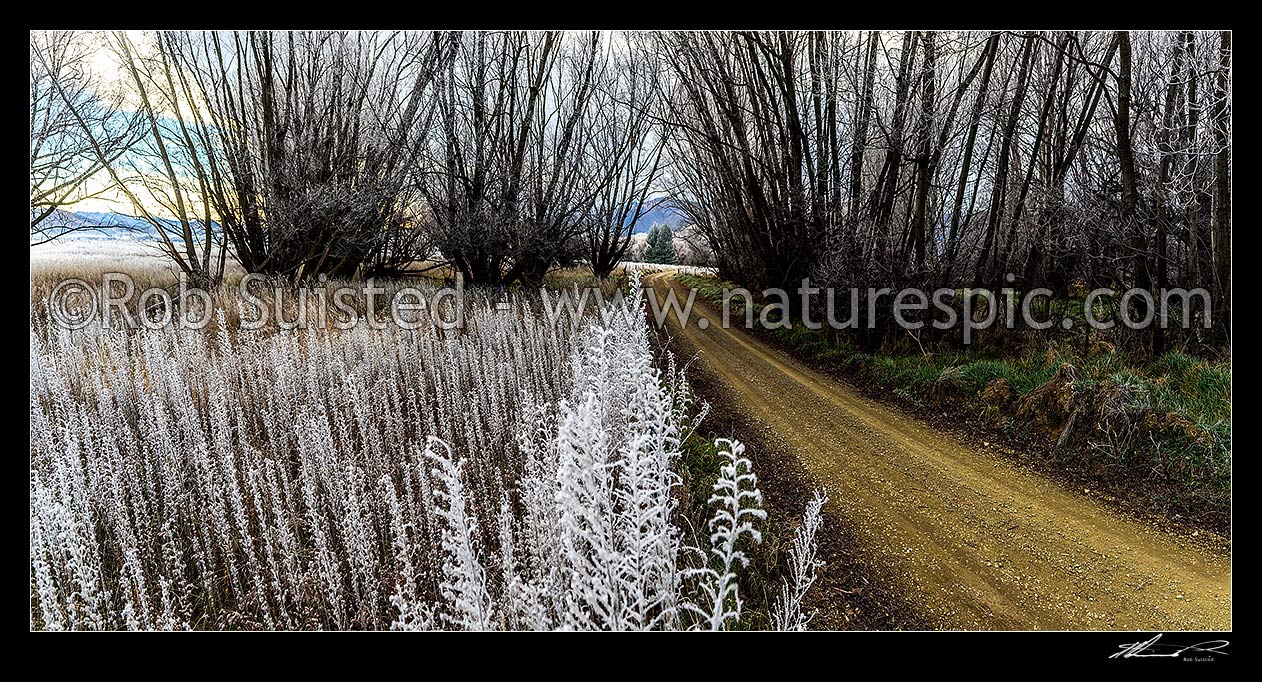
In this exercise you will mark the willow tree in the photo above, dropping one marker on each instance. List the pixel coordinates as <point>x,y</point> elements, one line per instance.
<point>314,135</point>
<point>78,125</point>
<point>625,155</point>
<point>506,176</point>
<point>752,146</point>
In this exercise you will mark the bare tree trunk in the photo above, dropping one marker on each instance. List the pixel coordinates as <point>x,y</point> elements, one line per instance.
<point>1222,187</point>
<point>1193,153</point>
<point>1131,227</point>
<point>884,193</point>
<point>924,153</point>
<point>1040,134</point>
<point>1125,154</point>
<point>992,47</point>
<point>863,114</point>
<point>1163,176</point>
<point>990,250</point>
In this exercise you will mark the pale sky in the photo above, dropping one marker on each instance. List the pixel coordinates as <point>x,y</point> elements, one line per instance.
<point>104,64</point>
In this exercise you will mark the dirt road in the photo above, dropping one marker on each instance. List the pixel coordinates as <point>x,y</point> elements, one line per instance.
<point>973,539</point>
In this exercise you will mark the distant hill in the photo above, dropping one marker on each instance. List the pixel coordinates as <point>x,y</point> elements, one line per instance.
<point>105,225</point>
<point>122,226</point>
<point>660,215</point>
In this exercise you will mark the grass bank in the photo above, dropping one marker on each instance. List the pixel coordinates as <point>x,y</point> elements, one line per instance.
<point>1151,434</point>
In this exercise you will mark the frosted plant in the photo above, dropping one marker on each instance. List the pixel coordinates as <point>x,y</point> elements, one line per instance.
<point>412,612</point>
<point>412,615</point>
<point>465,585</point>
<point>514,475</point>
<point>737,504</point>
<point>232,478</point>
<point>597,486</point>
<point>584,496</point>
<point>786,613</point>
<point>519,601</point>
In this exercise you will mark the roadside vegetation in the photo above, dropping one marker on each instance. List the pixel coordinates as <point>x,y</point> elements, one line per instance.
<point>1164,422</point>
